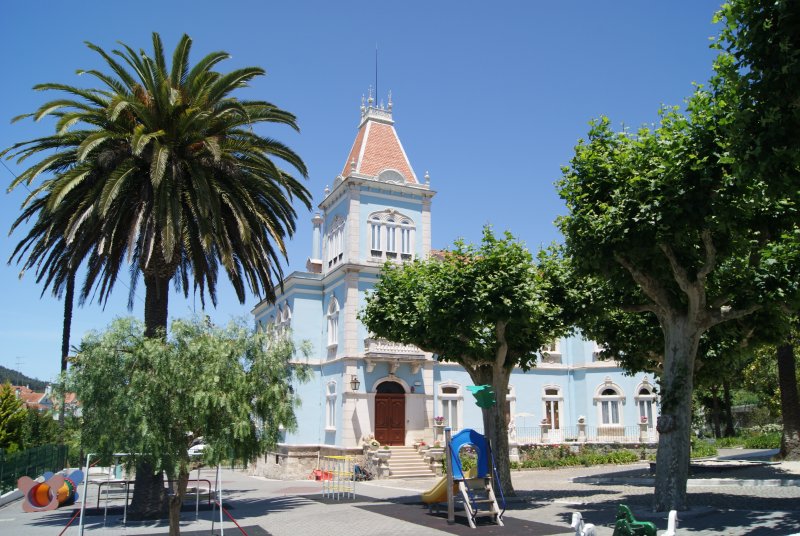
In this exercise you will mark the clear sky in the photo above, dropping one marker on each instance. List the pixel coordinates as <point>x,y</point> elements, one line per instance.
<point>489,97</point>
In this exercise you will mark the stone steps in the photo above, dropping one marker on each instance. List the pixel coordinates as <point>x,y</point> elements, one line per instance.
<point>406,462</point>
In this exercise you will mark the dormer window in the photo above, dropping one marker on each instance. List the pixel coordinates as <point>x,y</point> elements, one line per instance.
<point>551,352</point>
<point>386,229</point>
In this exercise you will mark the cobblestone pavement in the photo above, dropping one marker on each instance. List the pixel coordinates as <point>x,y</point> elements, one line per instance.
<point>731,501</point>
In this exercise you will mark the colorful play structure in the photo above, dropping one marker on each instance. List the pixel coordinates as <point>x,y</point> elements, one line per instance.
<point>338,477</point>
<point>53,491</point>
<point>477,492</point>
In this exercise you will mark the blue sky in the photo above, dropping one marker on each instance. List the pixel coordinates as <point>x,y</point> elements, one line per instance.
<point>490,98</point>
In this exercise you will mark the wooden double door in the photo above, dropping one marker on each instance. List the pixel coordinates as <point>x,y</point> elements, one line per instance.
<point>390,414</point>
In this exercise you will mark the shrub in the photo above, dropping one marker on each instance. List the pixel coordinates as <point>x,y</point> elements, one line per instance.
<point>729,442</point>
<point>702,449</point>
<point>552,456</point>
<point>771,440</point>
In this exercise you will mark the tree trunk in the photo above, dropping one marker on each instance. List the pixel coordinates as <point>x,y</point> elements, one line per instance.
<point>790,403</point>
<point>175,503</point>
<point>715,412</point>
<point>494,426</point>
<point>69,296</point>
<point>156,305</point>
<point>149,495</point>
<point>730,426</point>
<point>674,424</point>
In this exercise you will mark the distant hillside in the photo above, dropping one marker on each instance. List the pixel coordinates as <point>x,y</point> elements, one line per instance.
<point>17,378</point>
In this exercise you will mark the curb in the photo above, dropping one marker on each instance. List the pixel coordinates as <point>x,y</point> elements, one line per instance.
<point>692,482</point>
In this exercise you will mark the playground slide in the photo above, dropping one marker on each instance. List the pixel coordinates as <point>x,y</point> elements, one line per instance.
<point>437,493</point>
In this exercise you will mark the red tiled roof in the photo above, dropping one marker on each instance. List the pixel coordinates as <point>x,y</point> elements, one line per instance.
<point>32,399</point>
<point>377,148</point>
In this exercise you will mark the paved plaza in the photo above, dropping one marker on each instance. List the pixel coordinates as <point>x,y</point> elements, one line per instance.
<point>762,500</point>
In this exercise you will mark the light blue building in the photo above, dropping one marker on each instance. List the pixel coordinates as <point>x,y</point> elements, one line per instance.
<point>377,210</point>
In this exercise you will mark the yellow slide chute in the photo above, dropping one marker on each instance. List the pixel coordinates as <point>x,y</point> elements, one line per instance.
<point>438,493</point>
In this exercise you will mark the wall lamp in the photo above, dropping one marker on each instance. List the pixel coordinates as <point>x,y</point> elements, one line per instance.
<point>354,383</point>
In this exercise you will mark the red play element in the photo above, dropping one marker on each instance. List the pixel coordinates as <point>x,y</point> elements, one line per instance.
<point>40,496</point>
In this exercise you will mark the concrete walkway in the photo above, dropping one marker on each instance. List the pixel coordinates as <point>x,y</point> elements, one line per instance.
<point>768,504</point>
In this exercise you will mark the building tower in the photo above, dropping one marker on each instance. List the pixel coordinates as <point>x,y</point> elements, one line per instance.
<point>375,211</point>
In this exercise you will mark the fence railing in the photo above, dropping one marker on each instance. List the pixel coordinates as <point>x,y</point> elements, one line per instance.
<point>585,434</point>
<point>31,462</point>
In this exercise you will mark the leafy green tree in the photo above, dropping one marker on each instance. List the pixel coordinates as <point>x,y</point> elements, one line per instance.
<point>759,71</point>
<point>12,416</point>
<point>160,169</point>
<point>39,428</point>
<point>153,397</point>
<point>658,225</point>
<point>483,307</point>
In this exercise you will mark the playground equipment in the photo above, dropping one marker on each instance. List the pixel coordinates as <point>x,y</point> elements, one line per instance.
<point>477,492</point>
<point>437,494</point>
<point>582,529</point>
<point>626,524</point>
<point>56,490</point>
<point>338,477</point>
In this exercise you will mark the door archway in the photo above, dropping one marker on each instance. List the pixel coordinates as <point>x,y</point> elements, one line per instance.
<point>390,414</point>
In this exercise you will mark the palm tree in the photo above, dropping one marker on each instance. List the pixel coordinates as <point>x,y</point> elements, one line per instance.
<point>171,181</point>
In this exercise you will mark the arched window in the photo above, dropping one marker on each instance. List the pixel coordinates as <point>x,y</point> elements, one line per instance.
<point>335,241</point>
<point>406,230</point>
<point>384,228</point>
<point>391,233</point>
<point>551,406</point>
<point>609,399</point>
<point>450,398</point>
<point>645,396</point>
<point>333,322</point>
<point>330,406</point>
<point>286,319</point>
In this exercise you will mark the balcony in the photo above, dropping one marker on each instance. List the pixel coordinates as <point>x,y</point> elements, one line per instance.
<point>382,347</point>
<point>394,353</point>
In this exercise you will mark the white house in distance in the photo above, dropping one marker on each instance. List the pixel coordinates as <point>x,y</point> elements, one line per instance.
<point>379,209</point>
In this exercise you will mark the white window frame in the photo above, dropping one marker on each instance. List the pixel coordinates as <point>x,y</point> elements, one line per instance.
<point>607,404</point>
<point>645,402</point>
<point>335,241</point>
<point>330,406</point>
<point>383,235</point>
<point>333,322</point>
<point>551,352</point>
<point>451,405</point>
<point>552,406</point>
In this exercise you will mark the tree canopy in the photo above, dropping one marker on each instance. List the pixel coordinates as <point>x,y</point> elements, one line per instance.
<point>485,307</point>
<point>160,167</point>
<point>659,225</point>
<point>758,71</point>
<point>12,417</point>
<point>152,397</point>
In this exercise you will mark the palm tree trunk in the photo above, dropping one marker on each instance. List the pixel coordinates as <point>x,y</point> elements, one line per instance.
<point>69,295</point>
<point>156,305</point>
<point>790,403</point>
<point>149,495</point>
